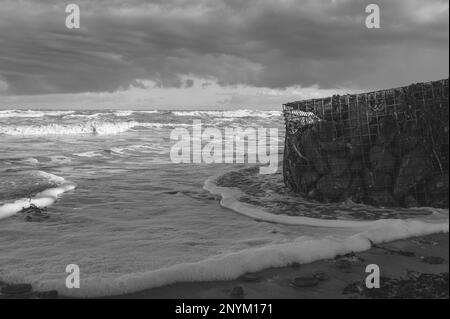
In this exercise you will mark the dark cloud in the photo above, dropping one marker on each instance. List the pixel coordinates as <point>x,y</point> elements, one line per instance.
<point>256,43</point>
<point>189,83</point>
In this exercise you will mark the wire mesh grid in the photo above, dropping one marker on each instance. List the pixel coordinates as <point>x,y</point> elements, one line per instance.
<point>384,148</point>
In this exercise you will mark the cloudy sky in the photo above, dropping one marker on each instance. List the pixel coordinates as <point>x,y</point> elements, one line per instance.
<point>216,54</point>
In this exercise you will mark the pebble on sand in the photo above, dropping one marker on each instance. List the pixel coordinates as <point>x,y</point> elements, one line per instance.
<point>18,289</point>
<point>305,282</point>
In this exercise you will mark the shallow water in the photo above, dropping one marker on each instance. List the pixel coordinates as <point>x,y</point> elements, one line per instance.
<point>135,220</point>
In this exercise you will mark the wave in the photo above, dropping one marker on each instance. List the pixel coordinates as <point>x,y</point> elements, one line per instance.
<point>31,114</point>
<point>230,199</point>
<point>147,112</point>
<point>89,127</point>
<point>42,199</point>
<point>123,113</point>
<point>229,114</point>
<point>84,116</point>
<point>230,266</point>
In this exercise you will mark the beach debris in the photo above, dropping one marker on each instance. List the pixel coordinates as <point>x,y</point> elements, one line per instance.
<point>414,286</point>
<point>395,251</point>
<point>433,260</point>
<point>16,289</point>
<point>321,276</point>
<point>345,262</point>
<point>237,292</point>
<point>303,282</point>
<point>201,196</point>
<point>34,214</point>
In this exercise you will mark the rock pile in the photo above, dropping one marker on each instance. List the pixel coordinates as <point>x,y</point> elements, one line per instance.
<point>387,148</point>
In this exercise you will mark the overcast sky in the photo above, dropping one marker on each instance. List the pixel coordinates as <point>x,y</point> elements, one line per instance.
<point>213,53</point>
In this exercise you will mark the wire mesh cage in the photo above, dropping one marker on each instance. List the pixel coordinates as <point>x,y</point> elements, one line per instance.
<point>384,148</point>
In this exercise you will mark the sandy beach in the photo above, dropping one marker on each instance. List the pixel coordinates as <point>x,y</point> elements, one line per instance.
<point>335,277</point>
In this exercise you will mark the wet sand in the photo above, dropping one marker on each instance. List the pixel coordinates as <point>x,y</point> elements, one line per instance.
<point>341,277</point>
<point>395,260</point>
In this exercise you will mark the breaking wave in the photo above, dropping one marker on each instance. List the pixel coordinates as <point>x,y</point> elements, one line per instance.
<point>230,266</point>
<point>89,127</point>
<point>31,113</point>
<point>270,206</point>
<point>42,199</point>
<point>229,114</point>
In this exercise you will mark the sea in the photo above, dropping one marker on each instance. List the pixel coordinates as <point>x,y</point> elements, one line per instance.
<point>118,207</point>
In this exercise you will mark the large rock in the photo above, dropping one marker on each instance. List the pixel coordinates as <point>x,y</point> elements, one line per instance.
<point>337,147</point>
<point>338,166</point>
<point>411,202</point>
<point>356,190</point>
<point>382,198</point>
<point>407,139</point>
<point>376,180</point>
<point>310,142</point>
<point>381,159</point>
<point>308,179</point>
<point>387,131</point>
<point>414,167</point>
<point>361,140</point>
<point>332,187</point>
<point>328,131</point>
<point>438,190</point>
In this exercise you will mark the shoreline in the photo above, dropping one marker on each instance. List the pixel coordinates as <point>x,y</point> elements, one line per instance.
<point>338,278</point>
<point>334,276</point>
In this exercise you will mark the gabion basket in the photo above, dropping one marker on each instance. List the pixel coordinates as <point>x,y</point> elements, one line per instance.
<point>384,148</point>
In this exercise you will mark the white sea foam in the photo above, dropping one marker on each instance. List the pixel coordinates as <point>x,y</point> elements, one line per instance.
<point>84,116</point>
<point>229,114</point>
<point>230,199</point>
<point>31,113</point>
<point>89,154</point>
<point>43,199</point>
<point>123,113</point>
<point>138,148</point>
<point>90,127</point>
<point>147,112</point>
<point>232,265</point>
